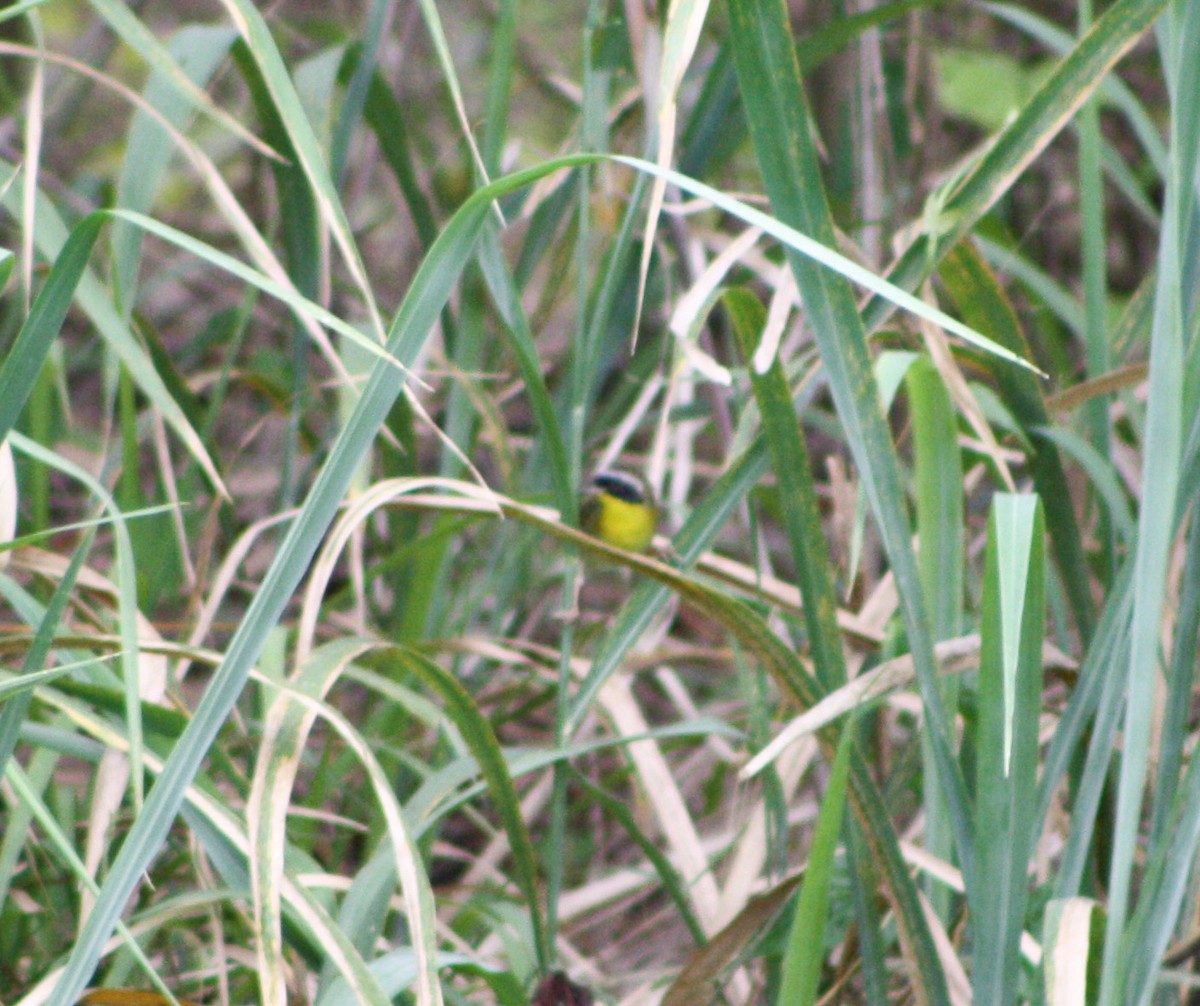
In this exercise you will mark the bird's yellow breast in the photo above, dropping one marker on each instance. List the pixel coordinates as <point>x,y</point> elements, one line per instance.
<point>627,525</point>
<point>617,510</point>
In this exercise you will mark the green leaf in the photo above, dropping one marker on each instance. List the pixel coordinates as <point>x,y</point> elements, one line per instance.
<point>1010,688</point>
<point>800,511</point>
<point>806,943</point>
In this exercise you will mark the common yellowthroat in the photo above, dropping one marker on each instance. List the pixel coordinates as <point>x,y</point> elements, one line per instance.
<point>618,508</point>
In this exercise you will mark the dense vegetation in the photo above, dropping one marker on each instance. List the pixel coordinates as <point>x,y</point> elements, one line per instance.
<point>318,319</point>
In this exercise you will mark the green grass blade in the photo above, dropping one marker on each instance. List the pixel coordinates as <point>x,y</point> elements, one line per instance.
<point>387,120</point>
<point>801,514</point>
<point>28,353</point>
<point>1010,689</point>
<point>1166,885</point>
<point>52,239</point>
<point>805,952</point>
<point>507,299</point>
<point>1092,717</point>
<point>1173,744</point>
<point>1163,445</point>
<point>1113,90</point>
<point>359,84</point>
<point>938,475</point>
<point>937,467</point>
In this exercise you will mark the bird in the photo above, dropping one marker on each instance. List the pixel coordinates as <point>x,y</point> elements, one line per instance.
<point>619,509</point>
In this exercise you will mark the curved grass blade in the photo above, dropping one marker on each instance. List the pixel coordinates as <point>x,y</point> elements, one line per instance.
<point>416,318</point>
<point>291,718</point>
<point>477,732</point>
<point>127,610</point>
<point>139,38</point>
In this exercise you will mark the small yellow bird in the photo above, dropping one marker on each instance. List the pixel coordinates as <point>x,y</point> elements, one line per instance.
<point>618,508</point>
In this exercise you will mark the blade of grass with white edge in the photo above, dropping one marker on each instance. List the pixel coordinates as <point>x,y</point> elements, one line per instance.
<point>813,249</point>
<point>1070,944</point>
<point>1014,527</point>
<point>208,813</point>
<point>418,314</point>
<point>685,18</point>
<point>290,719</point>
<point>1010,688</point>
<point>1113,90</point>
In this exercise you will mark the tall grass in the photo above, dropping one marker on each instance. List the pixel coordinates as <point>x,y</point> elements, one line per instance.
<point>315,328</point>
